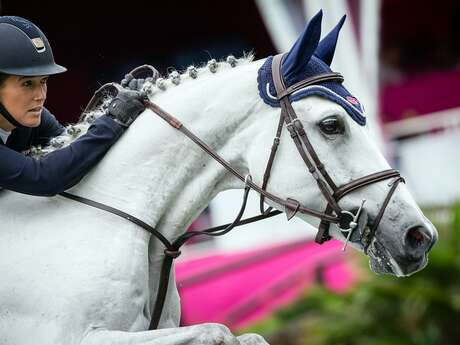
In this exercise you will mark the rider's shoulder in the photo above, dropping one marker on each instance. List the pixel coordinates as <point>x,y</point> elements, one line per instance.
<point>47,115</point>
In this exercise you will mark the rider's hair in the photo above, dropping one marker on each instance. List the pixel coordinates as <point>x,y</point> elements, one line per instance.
<point>3,77</point>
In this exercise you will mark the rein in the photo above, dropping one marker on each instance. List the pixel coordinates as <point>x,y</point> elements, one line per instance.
<point>172,249</point>
<point>346,220</point>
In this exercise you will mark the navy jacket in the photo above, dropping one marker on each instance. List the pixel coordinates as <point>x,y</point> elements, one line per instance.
<point>58,170</point>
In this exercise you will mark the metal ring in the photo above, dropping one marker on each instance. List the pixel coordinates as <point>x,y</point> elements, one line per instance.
<point>352,216</point>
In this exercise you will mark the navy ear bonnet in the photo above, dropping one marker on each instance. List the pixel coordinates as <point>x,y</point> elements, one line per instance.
<point>309,57</point>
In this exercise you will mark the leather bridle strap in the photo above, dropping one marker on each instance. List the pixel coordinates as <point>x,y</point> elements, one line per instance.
<point>172,249</point>
<point>365,181</point>
<point>268,169</point>
<point>297,132</point>
<point>119,213</point>
<point>368,238</point>
<point>290,205</point>
<point>170,255</point>
<point>310,81</point>
<point>323,228</point>
<point>283,96</point>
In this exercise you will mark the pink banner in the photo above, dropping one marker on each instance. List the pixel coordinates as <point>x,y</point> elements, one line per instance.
<point>421,95</point>
<point>239,289</point>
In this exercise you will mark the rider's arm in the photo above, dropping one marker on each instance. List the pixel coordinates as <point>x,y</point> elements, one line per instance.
<point>61,169</point>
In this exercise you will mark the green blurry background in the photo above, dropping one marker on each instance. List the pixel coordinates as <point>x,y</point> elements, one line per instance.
<point>423,309</point>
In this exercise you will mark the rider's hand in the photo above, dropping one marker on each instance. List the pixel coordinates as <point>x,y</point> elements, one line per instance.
<point>126,107</point>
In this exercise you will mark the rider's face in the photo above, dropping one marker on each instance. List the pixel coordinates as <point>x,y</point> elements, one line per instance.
<point>24,98</point>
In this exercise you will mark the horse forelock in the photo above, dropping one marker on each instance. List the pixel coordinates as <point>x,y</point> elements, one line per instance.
<point>174,79</point>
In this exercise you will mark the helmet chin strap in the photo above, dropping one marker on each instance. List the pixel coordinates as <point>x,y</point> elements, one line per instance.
<point>9,117</point>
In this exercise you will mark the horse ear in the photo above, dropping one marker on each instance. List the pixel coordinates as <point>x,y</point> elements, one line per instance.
<point>303,48</point>
<point>326,47</point>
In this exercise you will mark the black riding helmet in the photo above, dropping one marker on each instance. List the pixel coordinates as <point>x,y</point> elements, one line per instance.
<point>24,51</point>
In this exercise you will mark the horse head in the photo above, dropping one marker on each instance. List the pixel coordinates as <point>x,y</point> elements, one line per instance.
<point>386,222</point>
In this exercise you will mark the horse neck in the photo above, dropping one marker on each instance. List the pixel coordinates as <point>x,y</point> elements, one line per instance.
<point>159,175</point>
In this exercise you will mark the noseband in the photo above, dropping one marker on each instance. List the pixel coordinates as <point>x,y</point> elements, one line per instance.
<point>346,220</point>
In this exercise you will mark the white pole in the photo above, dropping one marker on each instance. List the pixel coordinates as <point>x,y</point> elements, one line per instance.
<point>279,23</point>
<point>370,46</point>
<point>349,59</point>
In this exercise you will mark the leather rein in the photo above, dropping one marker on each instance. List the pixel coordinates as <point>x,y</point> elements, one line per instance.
<point>346,220</point>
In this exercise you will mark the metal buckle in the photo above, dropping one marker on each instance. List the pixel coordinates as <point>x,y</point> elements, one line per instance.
<point>352,224</point>
<point>295,123</point>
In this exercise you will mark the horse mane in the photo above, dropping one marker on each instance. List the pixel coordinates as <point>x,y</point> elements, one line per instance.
<point>73,131</point>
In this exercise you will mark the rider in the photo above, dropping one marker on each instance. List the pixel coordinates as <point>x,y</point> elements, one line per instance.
<point>26,61</point>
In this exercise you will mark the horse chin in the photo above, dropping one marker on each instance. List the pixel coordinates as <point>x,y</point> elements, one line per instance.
<point>382,262</point>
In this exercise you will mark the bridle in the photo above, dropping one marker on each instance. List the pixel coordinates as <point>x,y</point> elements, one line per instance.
<point>346,220</point>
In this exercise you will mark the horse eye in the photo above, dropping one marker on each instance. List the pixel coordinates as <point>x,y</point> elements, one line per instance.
<point>331,125</point>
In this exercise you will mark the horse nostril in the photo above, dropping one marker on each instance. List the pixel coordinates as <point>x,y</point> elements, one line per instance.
<point>418,239</point>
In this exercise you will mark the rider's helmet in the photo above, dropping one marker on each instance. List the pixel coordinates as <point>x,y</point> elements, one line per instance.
<point>24,49</point>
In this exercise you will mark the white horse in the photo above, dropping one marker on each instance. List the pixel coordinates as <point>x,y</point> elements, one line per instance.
<point>72,274</point>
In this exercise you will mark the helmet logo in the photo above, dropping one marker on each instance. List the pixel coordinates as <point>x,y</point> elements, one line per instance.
<point>39,45</point>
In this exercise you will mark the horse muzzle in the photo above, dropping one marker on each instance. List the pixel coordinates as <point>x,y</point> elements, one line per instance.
<point>403,253</point>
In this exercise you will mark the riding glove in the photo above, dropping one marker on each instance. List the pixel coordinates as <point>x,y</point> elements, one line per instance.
<point>126,107</point>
